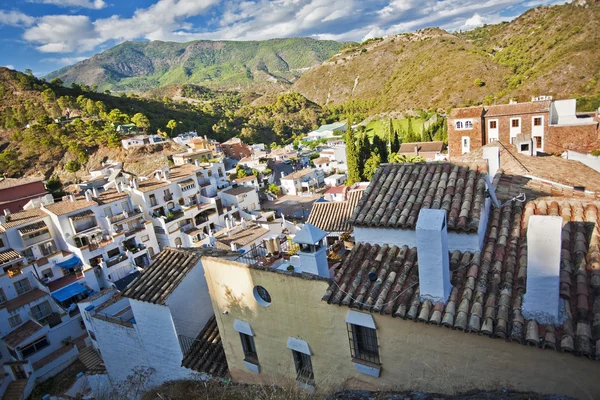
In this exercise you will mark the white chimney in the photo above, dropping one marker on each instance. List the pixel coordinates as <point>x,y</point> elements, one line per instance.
<point>88,195</point>
<point>196,163</point>
<point>313,250</point>
<point>233,246</point>
<point>542,293</point>
<point>72,197</point>
<point>166,173</point>
<point>95,191</point>
<point>227,223</point>
<point>135,183</point>
<point>282,174</point>
<point>432,252</point>
<point>244,225</point>
<point>416,149</point>
<point>159,174</point>
<point>118,186</point>
<point>6,212</point>
<point>492,155</point>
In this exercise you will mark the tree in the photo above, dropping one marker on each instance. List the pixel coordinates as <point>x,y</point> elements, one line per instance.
<point>72,167</point>
<point>364,152</point>
<point>241,173</point>
<point>172,124</point>
<point>403,158</point>
<point>273,188</point>
<point>66,105</point>
<point>380,147</point>
<point>141,121</point>
<point>91,107</point>
<point>410,136</point>
<point>351,156</point>
<point>371,166</point>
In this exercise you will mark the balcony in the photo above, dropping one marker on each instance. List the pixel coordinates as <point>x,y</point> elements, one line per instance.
<point>52,319</point>
<point>124,216</point>
<point>173,215</point>
<point>31,240</point>
<point>153,202</point>
<point>186,228</point>
<point>116,260</point>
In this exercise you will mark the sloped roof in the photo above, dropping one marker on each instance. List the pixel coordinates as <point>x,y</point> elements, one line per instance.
<point>245,179</point>
<point>518,108</point>
<point>22,333</point>
<point>23,217</point>
<point>488,286</point>
<point>111,195</point>
<point>239,190</point>
<point>206,353</point>
<point>242,237</point>
<point>36,226</point>
<point>8,256</point>
<point>398,192</point>
<point>334,216</point>
<point>321,160</point>
<point>422,146</point>
<point>298,174</point>
<point>67,206</point>
<point>466,112</point>
<point>309,234</point>
<point>549,168</point>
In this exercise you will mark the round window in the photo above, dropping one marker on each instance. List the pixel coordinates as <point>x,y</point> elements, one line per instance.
<point>262,296</point>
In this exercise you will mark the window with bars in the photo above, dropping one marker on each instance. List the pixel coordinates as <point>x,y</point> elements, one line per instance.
<point>249,348</point>
<point>363,343</point>
<point>304,370</point>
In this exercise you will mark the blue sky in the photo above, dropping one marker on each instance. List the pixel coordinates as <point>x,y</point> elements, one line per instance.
<point>44,35</point>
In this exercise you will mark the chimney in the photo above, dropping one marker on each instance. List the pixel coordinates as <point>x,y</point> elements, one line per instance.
<point>416,149</point>
<point>432,252</point>
<point>233,246</point>
<point>118,186</point>
<point>313,250</point>
<point>95,191</point>
<point>166,173</point>
<point>492,155</point>
<point>159,174</point>
<point>227,223</point>
<point>135,183</point>
<point>244,225</point>
<point>72,198</point>
<point>541,300</point>
<point>282,174</point>
<point>196,163</point>
<point>88,195</point>
<point>6,212</point>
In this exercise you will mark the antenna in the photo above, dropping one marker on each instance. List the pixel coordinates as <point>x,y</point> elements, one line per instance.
<point>491,191</point>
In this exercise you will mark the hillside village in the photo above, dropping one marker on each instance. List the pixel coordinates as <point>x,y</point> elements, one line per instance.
<point>213,250</point>
<point>367,241</point>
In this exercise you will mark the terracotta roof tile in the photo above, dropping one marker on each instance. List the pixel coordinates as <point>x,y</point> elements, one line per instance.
<point>245,179</point>
<point>334,216</point>
<point>23,217</point>
<point>241,237</point>
<point>488,285</point>
<point>236,191</point>
<point>422,146</point>
<point>23,332</point>
<point>467,112</point>
<point>36,226</point>
<point>8,256</point>
<point>67,206</point>
<point>298,174</point>
<point>321,160</point>
<point>206,353</point>
<point>518,108</point>
<point>111,195</point>
<point>398,192</point>
<point>151,184</point>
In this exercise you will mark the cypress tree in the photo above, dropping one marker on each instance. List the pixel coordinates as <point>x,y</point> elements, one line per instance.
<point>395,143</point>
<point>380,147</point>
<point>351,156</point>
<point>364,152</point>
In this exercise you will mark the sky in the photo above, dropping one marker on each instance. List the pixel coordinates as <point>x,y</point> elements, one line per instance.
<point>45,35</point>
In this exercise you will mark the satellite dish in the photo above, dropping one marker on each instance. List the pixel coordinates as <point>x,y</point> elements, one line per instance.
<point>491,191</point>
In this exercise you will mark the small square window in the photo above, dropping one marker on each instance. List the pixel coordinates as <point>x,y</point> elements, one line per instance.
<point>47,273</point>
<point>538,142</point>
<point>493,124</point>
<point>363,343</point>
<point>524,146</point>
<point>14,320</point>
<point>514,123</point>
<point>537,121</point>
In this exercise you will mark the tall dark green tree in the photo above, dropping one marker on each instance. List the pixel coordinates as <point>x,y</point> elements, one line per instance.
<point>396,142</point>
<point>410,135</point>
<point>364,152</point>
<point>380,147</point>
<point>351,156</point>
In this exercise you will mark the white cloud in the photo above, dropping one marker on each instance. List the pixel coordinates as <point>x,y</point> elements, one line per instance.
<point>94,4</point>
<point>15,18</point>
<point>63,34</point>
<point>63,60</point>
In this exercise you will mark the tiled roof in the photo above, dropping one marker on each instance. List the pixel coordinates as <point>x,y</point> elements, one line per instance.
<point>21,333</point>
<point>23,217</point>
<point>422,146</point>
<point>187,182</point>
<point>518,108</point>
<point>321,160</point>
<point>488,286</point>
<point>398,192</point>
<point>162,277</point>
<point>166,272</point>
<point>67,206</point>
<point>549,168</point>
<point>25,298</point>
<point>468,112</point>
<point>182,171</point>
<point>334,216</point>
<point>336,189</point>
<point>151,184</point>
<point>8,256</point>
<point>111,195</point>
<point>36,226</point>
<point>298,174</point>
<point>238,190</point>
<point>207,353</point>
<point>12,182</point>
<point>245,179</point>
<point>82,215</point>
<point>241,237</point>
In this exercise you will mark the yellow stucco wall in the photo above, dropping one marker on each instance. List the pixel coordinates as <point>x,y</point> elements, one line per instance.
<point>413,355</point>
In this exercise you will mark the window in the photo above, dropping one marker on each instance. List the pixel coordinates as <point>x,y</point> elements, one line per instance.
<point>262,296</point>
<point>459,125</point>
<point>304,370</point>
<point>2,296</point>
<point>363,343</point>
<point>14,320</point>
<point>81,324</point>
<point>178,242</point>
<point>41,311</point>
<point>108,212</point>
<point>538,141</point>
<point>151,251</point>
<point>34,347</point>
<point>493,124</point>
<point>524,146</point>
<point>537,121</point>
<point>466,144</point>
<point>125,206</point>
<point>145,238</point>
<point>209,173</point>
<point>22,286</point>
<point>113,252</point>
<point>492,139</point>
<point>514,123</point>
<point>47,273</point>
<point>468,125</point>
<point>249,349</point>
<point>1,242</point>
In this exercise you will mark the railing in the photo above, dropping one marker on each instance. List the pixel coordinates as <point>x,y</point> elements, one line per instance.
<point>116,260</point>
<point>36,239</point>
<point>52,319</point>
<point>186,227</point>
<point>134,230</point>
<point>118,320</point>
<point>174,215</point>
<point>122,216</point>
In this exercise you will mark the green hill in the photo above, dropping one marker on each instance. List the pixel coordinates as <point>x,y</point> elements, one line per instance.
<point>261,66</point>
<point>553,50</point>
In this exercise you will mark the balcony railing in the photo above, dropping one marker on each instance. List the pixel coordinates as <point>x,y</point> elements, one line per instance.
<point>116,260</point>
<point>29,241</point>
<point>124,216</point>
<point>186,227</point>
<point>172,216</point>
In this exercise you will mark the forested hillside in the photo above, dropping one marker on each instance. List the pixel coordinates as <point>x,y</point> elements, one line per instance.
<point>553,50</point>
<point>261,66</point>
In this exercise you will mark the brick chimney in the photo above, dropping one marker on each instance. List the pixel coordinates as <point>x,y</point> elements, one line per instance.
<point>542,293</point>
<point>433,257</point>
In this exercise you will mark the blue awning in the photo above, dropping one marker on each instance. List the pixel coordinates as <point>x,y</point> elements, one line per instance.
<point>69,291</point>
<point>70,263</point>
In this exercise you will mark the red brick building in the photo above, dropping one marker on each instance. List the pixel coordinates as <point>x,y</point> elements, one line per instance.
<point>551,126</point>
<point>15,193</point>
<point>236,149</point>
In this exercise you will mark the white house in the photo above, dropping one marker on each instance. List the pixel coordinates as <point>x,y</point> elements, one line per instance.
<point>248,181</point>
<point>156,322</point>
<point>142,140</point>
<point>327,131</point>
<point>185,138</point>
<point>301,181</point>
<point>242,197</point>
<point>335,180</point>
